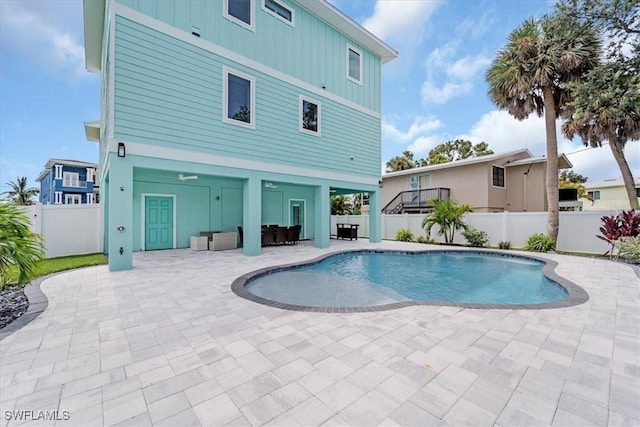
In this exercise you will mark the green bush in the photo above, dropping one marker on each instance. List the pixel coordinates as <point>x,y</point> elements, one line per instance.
<point>539,242</point>
<point>504,245</point>
<point>404,235</point>
<point>425,239</point>
<point>629,248</point>
<point>476,238</point>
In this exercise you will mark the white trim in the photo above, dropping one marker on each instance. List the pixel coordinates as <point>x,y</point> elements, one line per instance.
<point>57,198</point>
<point>504,175</point>
<point>225,101</point>
<point>59,173</point>
<point>176,33</point>
<point>251,26</point>
<point>148,150</point>
<point>291,23</point>
<point>70,181</point>
<point>111,100</point>
<point>303,234</point>
<point>359,52</point>
<point>143,222</point>
<point>90,198</point>
<point>90,174</point>
<point>318,104</point>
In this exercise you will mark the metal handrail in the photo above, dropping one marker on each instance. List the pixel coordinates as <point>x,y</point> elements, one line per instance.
<point>416,198</point>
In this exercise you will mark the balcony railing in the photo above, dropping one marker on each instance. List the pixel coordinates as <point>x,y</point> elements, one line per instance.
<point>415,201</point>
<point>74,184</point>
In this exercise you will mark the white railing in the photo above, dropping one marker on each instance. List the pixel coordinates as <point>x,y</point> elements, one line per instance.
<point>577,233</point>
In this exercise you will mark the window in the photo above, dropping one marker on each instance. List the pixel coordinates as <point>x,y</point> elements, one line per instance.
<point>71,199</point>
<point>310,116</point>
<point>70,179</point>
<point>595,195</point>
<point>239,99</point>
<point>279,10</point>
<point>354,64</point>
<point>498,176</point>
<point>239,11</point>
<point>638,192</point>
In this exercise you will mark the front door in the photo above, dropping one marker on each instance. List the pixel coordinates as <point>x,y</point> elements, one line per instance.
<point>158,233</point>
<point>296,215</point>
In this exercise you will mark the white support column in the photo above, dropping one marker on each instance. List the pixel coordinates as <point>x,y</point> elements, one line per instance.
<point>89,174</point>
<point>58,172</point>
<point>58,197</point>
<point>89,198</point>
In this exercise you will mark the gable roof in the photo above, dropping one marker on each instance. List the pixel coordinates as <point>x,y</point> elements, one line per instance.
<point>606,183</point>
<point>94,11</point>
<point>563,161</point>
<point>458,163</point>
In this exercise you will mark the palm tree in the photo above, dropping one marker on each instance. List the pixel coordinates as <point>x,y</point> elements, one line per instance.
<point>403,162</point>
<point>340,205</point>
<point>448,216</point>
<point>20,249</point>
<point>529,75</point>
<point>19,193</point>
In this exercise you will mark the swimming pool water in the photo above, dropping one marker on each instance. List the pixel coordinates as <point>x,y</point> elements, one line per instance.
<point>375,278</point>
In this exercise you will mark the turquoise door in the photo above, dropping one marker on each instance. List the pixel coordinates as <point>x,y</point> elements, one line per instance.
<point>158,215</point>
<point>296,215</point>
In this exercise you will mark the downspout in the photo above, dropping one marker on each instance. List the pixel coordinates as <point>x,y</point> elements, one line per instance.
<point>525,184</point>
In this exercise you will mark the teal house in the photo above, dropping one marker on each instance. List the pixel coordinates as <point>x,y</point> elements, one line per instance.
<point>228,113</point>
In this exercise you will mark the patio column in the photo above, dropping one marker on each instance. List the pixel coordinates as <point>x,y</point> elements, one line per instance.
<point>322,217</point>
<point>120,213</point>
<point>252,216</point>
<point>375,217</point>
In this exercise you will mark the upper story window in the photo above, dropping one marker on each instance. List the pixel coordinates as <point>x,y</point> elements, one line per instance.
<point>239,98</point>
<point>71,179</point>
<point>279,10</point>
<point>595,195</point>
<point>354,64</point>
<point>497,173</point>
<point>239,11</point>
<point>310,115</point>
<point>638,192</point>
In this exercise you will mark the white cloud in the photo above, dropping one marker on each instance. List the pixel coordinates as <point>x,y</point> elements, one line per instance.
<point>421,146</point>
<point>400,21</point>
<point>44,31</point>
<point>432,94</point>
<point>419,126</point>
<point>467,67</point>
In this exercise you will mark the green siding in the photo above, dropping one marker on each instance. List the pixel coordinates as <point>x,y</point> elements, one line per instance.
<point>311,51</point>
<point>169,93</point>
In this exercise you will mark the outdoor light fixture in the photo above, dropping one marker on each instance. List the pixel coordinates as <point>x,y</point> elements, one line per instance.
<point>121,149</point>
<point>380,184</point>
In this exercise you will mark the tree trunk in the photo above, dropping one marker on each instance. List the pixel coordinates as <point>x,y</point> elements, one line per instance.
<point>618,153</point>
<point>553,219</point>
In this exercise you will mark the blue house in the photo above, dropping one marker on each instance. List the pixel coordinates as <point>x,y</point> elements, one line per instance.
<point>219,114</point>
<point>68,182</point>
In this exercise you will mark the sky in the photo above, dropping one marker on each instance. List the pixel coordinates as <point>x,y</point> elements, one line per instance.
<point>432,93</point>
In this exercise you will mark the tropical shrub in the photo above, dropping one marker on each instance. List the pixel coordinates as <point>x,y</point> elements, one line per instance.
<point>504,245</point>
<point>404,235</point>
<point>448,216</point>
<point>539,242</point>
<point>629,248</point>
<point>20,248</point>
<point>476,238</point>
<point>625,224</point>
<point>425,239</point>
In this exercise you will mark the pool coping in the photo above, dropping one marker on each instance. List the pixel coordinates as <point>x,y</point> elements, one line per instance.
<point>576,295</point>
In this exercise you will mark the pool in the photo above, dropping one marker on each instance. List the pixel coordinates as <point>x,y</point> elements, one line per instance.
<point>366,280</point>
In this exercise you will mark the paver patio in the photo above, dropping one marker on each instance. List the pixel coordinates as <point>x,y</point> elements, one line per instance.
<point>168,343</point>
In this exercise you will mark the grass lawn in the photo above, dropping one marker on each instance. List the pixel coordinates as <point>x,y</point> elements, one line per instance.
<point>53,265</point>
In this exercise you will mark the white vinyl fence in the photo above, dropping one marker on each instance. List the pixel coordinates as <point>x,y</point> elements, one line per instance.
<point>68,229</point>
<point>577,229</point>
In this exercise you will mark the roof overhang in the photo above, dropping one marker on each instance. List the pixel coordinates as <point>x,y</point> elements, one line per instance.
<point>93,11</point>
<point>563,161</point>
<point>92,131</point>
<point>341,22</point>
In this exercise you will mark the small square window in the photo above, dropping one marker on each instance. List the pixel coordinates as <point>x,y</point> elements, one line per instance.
<point>279,10</point>
<point>239,11</point>
<point>354,64</point>
<point>497,173</point>
<point>310,116</point>
<point>595,195</point>
<point>638,192</point>
<point>239,99</point>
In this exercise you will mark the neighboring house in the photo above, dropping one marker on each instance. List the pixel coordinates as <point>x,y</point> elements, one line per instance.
<point>513,181</point>
<point>219,114</point>
<point>609,194</point>
<point>69,182</point>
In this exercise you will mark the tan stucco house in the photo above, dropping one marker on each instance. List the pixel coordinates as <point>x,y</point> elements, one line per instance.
<point>609,194</point>
<point>513,181</point>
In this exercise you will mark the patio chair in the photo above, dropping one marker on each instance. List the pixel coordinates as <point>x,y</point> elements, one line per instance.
<point>293,234</point>
<point>268,236</point>
<point>281,235</point>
